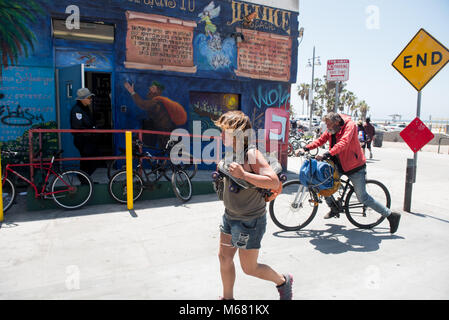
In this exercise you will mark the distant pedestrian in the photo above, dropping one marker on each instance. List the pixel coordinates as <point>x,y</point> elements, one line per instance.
<point>244,221</point>
<point>294,126</point>
<point>370,133</point>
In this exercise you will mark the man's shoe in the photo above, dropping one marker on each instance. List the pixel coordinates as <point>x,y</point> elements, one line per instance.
<point>331,214</point>
<point>285,289</point>
<point>370,155</point>
<point>394,218</point>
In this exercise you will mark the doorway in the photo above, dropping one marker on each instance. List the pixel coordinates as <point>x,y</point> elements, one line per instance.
<point>99,83</point>
<point>70,79</point>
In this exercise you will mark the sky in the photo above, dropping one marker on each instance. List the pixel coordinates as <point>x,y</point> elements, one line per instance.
<point>371,34</point>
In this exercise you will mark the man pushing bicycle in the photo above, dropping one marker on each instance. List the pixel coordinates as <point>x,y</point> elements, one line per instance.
<point>346,153</point>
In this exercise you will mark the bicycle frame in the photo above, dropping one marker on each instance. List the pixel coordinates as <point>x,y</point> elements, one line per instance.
<point>45,166</point>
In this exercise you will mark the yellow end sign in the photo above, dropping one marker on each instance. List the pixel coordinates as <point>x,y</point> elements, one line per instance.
<point>421,59</point>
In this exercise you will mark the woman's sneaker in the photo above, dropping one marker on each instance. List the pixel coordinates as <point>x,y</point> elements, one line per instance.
<point>285,289</point>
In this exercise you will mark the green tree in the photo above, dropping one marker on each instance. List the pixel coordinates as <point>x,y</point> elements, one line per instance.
<point>16,36</point>
<point>303,92</point>
<point>363,109</point>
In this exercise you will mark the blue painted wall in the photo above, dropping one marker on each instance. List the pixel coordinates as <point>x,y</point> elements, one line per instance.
<point>30,83</point>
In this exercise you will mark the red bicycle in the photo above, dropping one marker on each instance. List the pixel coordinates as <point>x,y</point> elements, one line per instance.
<point>70,189</point>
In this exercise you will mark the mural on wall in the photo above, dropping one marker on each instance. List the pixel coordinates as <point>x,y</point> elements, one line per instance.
<point>17,38</point>
<point>156,42</point>
<point>165,43</point>
<point>26,91</point>
<point>163,114</point>
<point>264,56</point>
<point>208,106</point>
<point>211,51</point>
<point>184,46</point>
<point>91,59</point>
<point>266,96</point>
<point>26,100</point>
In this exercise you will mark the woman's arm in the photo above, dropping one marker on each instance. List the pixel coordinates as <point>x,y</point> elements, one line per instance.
<point>263,176</point>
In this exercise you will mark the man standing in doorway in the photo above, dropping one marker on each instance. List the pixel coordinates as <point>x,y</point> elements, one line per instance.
<point>81,117</point>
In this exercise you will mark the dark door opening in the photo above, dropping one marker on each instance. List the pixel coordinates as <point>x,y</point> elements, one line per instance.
<point>99,83</point>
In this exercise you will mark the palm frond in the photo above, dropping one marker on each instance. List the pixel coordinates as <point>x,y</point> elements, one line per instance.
<point>16,36</point>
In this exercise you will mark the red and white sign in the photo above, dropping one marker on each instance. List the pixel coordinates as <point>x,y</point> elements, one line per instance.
<point>337,70</point>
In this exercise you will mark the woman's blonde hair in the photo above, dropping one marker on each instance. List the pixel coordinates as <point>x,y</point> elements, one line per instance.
<point>237,123</point>
<point>233,120</point>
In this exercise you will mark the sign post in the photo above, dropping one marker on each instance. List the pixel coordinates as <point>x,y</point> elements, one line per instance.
<point>337,70</point>
<point>418,63</point>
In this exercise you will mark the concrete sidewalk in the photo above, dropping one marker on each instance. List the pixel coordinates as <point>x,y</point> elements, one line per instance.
<point>168,250</point>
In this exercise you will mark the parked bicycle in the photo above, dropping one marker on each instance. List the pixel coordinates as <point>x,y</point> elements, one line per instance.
<point>70,189</point>
<point>297,205</point>
<point>147,173</point>
<point>295,143</point>
<point>187,164</point>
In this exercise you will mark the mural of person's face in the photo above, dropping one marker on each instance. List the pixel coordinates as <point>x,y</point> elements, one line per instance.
<point>153,91</point>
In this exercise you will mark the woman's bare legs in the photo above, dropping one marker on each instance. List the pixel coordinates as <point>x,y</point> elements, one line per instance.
<point>226,255</point>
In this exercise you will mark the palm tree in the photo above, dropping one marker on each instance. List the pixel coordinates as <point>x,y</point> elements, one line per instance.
<point>303,92</point>
<point>16,36</point>
<point>350,101</point>
<point>363,108</point>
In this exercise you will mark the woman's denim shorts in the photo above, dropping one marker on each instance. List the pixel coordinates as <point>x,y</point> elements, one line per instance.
<point>245,234</point>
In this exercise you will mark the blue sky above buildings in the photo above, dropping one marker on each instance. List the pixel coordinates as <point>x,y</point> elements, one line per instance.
<point>371,34</point>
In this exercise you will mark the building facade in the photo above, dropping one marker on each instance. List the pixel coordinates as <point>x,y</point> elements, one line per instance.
<point>206,57</point>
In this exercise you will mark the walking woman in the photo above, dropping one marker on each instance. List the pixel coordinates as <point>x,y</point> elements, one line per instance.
<point>244,219</point>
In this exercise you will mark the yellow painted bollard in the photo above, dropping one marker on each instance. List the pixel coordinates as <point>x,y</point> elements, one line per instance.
<point>1,191</point>
<point>129,170</point>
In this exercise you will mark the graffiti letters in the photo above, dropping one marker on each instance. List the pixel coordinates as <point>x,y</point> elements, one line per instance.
<point>271,97</point>
<point>18,117</point>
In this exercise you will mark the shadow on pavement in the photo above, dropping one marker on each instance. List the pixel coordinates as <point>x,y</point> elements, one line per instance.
<point>337,239</point>
<point>422,215</point>
<point>19,213</point>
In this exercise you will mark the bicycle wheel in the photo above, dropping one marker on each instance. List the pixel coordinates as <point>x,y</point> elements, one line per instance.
<point>359,214</point>
<point>117,186</point>
<point>71,189</point>
<point>8,194</point>
<point>182,186</point>
<point>117,165</point>
<point>295,207</point>
<point>184,162</point>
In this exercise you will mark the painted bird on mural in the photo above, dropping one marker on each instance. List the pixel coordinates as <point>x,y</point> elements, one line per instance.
<point>209,12</point>
<point>248,21</point>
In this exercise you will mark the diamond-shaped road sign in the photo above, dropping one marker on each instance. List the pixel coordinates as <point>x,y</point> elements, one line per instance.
<point>421,59</point>
<point>416,134</point>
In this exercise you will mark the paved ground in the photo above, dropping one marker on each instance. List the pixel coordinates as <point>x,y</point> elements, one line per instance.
<point>168,250</point>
